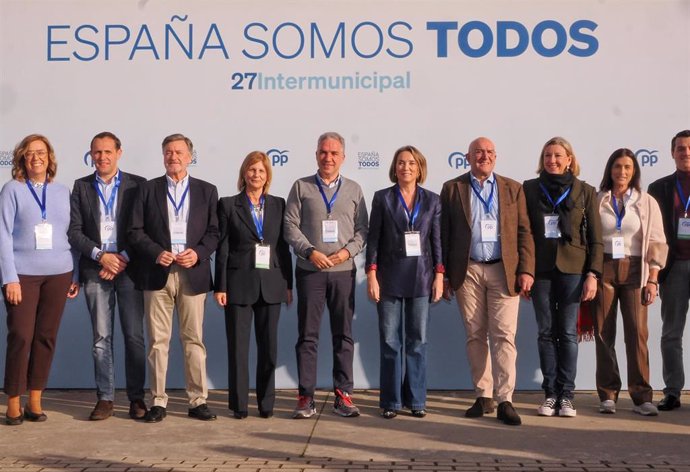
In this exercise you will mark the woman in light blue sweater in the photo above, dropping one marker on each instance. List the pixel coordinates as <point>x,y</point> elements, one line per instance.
<point>36,267</point>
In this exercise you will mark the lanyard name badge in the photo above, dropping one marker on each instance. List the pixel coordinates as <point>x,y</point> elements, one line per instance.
<point>551,230</point>
<point>618,242</point>
<point>684,222</point>
<point>488,227</point>
<point>108,232</point>
<point>178,229</point>
<point>262,252</point>
<point>43,232</point>
<point>413,243</point>
<point>329,227</point>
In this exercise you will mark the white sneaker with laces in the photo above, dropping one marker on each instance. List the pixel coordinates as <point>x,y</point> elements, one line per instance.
<point>548,408</point>
<point>646,409</point>
<point>608,407</point>
<point>566,408</point>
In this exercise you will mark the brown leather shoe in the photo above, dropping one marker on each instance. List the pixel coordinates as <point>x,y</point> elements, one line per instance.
<point>137,409</point>
<point>481,406</point>
<point>102,411</point>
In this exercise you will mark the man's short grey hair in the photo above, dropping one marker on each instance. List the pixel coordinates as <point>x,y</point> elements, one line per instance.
<point>331,135</point>
<point>178,137</point>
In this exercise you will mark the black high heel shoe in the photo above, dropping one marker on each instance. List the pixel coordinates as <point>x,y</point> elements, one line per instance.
<point>35,417</point>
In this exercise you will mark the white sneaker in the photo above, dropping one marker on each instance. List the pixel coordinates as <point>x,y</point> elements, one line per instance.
<point>607,407</point>
<point>646,409</point>
<point>566,408</point>
<point>548,408</point>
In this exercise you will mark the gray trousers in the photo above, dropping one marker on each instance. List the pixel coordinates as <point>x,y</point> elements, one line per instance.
<point>675,294</point>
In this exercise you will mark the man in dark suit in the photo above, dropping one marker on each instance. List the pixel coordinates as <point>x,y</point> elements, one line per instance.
<point>488,254</point>
<point>673,194</point>
<point>175,252</point>
<point>101,204</point>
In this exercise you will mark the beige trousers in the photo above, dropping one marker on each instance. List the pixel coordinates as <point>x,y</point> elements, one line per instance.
<point>159,306</point>
<point>490,314</point>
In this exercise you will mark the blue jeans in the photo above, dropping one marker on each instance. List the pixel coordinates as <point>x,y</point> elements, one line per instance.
<point>403,373</point>
<point>556,300</point>
<point>100,299</point>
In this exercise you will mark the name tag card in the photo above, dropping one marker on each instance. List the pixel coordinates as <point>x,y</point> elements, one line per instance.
<point>262,253</point>
<point>108,233</point>
<point>683,228</point>
<point>44,236</point>
<point>413,244</point>
<point>489,231</point>
<point>329,231</point>
<point>618,247</point>
<point>551,230</point>
<point>178,232</point>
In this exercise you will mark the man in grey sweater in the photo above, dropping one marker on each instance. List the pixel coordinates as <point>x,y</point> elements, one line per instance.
<point>326,224</point>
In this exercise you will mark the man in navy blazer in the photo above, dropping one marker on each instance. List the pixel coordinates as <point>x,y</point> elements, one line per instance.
<point>174,231</point>
<point>488,253</point>
<point>101,204</point>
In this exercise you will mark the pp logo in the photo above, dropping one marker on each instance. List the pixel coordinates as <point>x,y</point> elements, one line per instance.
<point>5,159</point>
<point>618,243</point>
<point>458,159</point>
<point>88,162</point>
<point>647,157</point>
<point>277,157</point>
<point>368,159</point>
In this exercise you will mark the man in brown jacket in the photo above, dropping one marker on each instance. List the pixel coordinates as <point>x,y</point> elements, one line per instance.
<point>488,252</point>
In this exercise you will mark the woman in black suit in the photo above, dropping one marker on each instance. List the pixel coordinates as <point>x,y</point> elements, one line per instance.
<point>253,277</point>
<point>404,272</point>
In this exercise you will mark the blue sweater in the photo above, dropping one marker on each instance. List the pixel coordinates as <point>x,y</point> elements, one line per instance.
<point>19,214</point>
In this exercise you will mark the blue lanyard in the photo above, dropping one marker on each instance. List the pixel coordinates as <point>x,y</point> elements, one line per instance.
<point>683,200</point>
<point>487,204</point>
<point>258,221</point>
<point>329,203</point>
<point>560,199</point>
<point>42,202</point>
<point>175,205</point>
<point>411,216</point>
<point>619,214</point>
<point>109,205</point>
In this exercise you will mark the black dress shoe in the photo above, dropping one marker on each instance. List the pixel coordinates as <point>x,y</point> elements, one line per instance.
<point>240,415</point>
<point>266,414</point>
<point>155,414</point>
<point>481,406</point>
<point>14,420</point>
<point>419,413</point>
<point>389,414</point>
<point>668,403</point>
<point>507,414</point>
<point>202,413</point>
<point>35,417</point>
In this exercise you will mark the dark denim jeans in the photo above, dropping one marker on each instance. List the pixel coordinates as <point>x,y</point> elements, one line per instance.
<point>403,372</point>
<point>556,300</point>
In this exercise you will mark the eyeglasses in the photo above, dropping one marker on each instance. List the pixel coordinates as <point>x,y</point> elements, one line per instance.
<point>31,154</point>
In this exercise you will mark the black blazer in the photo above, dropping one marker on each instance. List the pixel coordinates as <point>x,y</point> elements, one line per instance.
<point>663,191</point>
<point>399,275</point>
<point>235,271</point>
<point>149,232</point>
<point>84,231</point>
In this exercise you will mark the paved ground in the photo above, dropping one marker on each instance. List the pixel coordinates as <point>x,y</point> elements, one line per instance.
<point>444,440</point>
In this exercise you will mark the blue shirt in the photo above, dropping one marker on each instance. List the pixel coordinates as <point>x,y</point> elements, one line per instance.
<point>176,190</point>
<point>107,190</point>
<point>483,251</point>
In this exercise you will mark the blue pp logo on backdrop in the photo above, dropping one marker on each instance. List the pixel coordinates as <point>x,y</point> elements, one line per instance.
<point>458,160</point>
<point>5,158</point>
<point>195,159</point>
<point>368,160</point>
<point>647,157</point>
<point>88,162</point>
<point>277,157</point>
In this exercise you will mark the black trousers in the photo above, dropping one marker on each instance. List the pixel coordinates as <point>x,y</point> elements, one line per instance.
<point>238,326</point>
<point>315,290</point>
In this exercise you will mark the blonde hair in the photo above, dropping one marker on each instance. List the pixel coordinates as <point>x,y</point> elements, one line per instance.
<point>419,159</point>
<point>574,167</point>
<point>19,166</point>
<point>251,159</point>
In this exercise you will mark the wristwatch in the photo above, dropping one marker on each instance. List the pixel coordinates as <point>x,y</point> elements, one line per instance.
<point>99,256</point>
<point>309,252</point>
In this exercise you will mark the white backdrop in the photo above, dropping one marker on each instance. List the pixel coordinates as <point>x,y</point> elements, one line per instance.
<point>236,76</point>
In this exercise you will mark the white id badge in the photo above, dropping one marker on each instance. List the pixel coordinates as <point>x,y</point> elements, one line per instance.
<point>413,244</point>
<point>262,253</point>
<point>683,228</point>
<point>108,234</point>
<point>329,231</point>
<point>551,230</point>
<point>44,236</point>
<point>178,232</point>
<point>489,231</point>
<point>617,247</point>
